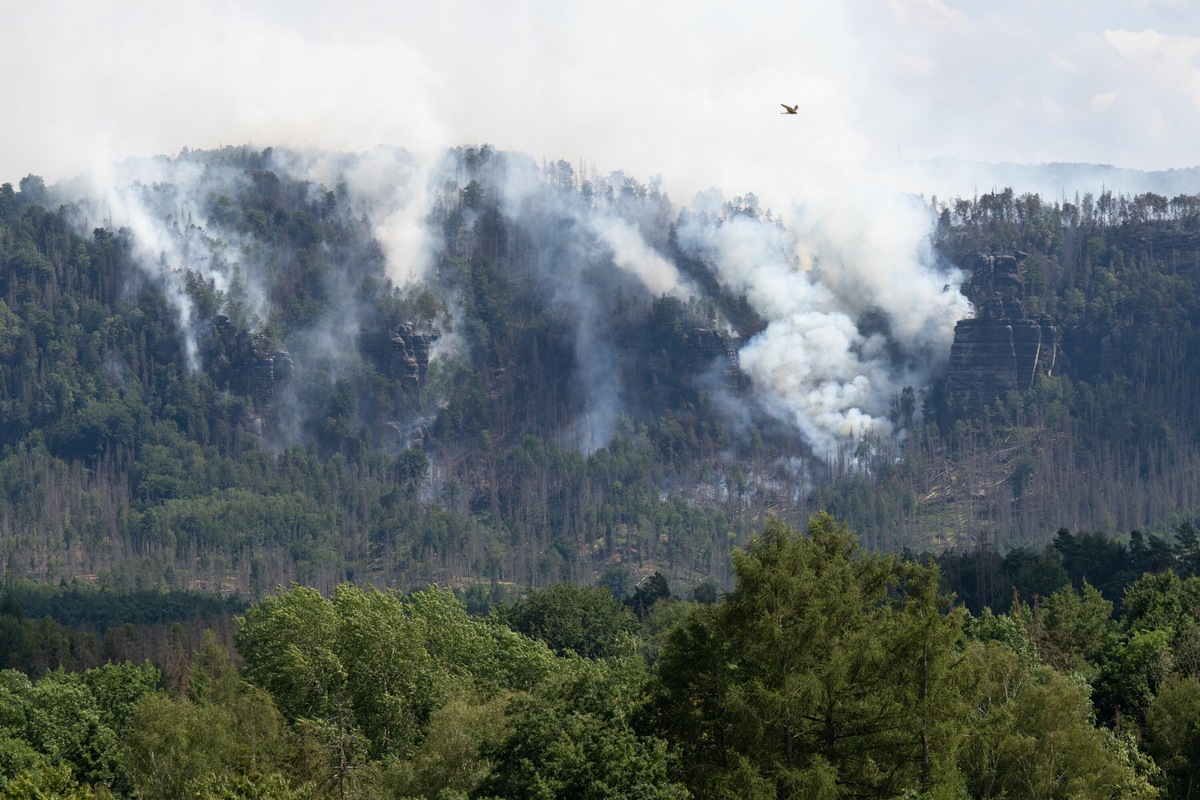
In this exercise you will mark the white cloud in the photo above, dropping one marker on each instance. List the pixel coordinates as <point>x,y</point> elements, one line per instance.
<point>688,90</point>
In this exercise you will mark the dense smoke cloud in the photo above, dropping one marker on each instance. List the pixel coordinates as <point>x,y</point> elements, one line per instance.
<point>854,314</point>
<point>855,306</point>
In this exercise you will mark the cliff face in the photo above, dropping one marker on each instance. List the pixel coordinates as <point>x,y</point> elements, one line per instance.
<point>1003,349</point>
<point>999,351</point>
<point>260,368</point>
<point>402,354</point>
<point>1091,352</point>
<point>666,374</point>
<point>247,363</point>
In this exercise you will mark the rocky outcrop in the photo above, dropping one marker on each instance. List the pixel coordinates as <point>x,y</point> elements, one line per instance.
<point>246,363</point>
<point>704,347</point>
<point>1093,352</point>
<point>999,351</point>
<point>1002,349</point>
<point>401,354</point>
<point>706,355</point>
<point>996,273</point>
<point>260,368</point>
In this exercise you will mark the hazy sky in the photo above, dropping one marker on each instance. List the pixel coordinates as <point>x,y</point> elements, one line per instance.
<point>688,89</point>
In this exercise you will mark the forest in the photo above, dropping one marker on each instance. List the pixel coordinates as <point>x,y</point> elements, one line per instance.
<point>506,436</point>
<point>826,671</point>
<point>241,387</point>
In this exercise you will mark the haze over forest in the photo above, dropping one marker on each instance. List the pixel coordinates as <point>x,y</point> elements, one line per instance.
<point>510,400</point>
<point>638,173</point>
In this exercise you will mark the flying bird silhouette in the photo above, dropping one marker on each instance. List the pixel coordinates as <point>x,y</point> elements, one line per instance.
<point>790,109</point>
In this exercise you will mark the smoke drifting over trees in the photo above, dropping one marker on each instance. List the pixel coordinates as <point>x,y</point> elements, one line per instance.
<point>847,311</point>
<point>487,365</point>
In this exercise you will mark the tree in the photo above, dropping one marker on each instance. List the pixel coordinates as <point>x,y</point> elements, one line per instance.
<point>1172,735</point>
<point>1031,736</point>
<point>289,641</point>
<point>585,620</point>
<point>220,731</point>
<point>453,755</point>
<point>363,674</point>
<point>825,667</point>
<point>649,591</point>
<point>574,737</point>
<point>1075,628</point>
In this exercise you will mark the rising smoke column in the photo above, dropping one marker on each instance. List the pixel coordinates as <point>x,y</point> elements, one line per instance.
<point>163,203</point>
<point>391,187</point>
<point>591,249</point>
<point>816,365</point>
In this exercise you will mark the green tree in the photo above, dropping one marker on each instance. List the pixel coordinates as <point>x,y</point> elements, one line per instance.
<point>825,667</point>
<point>1172,735</point>
<point>366,691</point>
<point>452,756</point>
<point>585,620</point>
<point>574,737</point>
<point>1074,628</point>
<point>1031,736</point>
<point>290,643</point>
<point>50,783</point>
<point>221,732</point>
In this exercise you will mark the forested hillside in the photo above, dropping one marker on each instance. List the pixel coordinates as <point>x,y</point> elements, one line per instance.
<point>241,368</point>
<point>1105,435</point>
<point>185,419</point>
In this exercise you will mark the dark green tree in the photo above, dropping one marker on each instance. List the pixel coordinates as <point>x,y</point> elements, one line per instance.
<point>585,620</point>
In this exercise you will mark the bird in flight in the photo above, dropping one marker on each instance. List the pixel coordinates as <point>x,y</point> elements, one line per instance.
<point>790,109</point>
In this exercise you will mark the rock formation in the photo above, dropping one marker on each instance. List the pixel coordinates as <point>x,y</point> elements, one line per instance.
<point>708,353</point>
<point>247,363</point>
<point>999,351</point>
<point>996,274</point>
<point>401,354</point>
<point>262,368</point>
<point>1002,349</point>
<point>1092,352</point>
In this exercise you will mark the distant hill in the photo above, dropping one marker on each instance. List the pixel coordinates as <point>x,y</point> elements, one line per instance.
<point>227,370</point>
<point>1054,181</point>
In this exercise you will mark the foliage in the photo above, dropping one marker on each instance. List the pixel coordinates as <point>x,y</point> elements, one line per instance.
<point>574,737</point>
<point>584,620</point>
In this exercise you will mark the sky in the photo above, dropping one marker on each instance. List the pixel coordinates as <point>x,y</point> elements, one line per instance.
<point>688,90</point>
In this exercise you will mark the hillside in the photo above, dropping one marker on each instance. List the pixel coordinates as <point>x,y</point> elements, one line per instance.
<point>232,369</point>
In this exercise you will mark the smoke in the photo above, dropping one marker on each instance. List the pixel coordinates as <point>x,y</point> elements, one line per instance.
<point>856,307</point>
<point>390,187</point>
<point>163,203</point>
<point>631,254</point>
<point>597,246</point>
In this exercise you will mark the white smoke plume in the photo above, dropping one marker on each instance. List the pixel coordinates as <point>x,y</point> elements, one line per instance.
<point>633,255</point>
<point>162,203</point>
<point>856,307</point>
<point>389,186</point>
<point>814,366</point>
